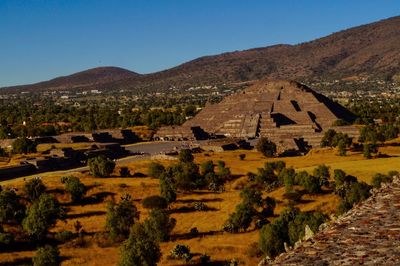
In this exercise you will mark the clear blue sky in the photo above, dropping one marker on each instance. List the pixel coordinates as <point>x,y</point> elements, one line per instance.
<point>42,39</point>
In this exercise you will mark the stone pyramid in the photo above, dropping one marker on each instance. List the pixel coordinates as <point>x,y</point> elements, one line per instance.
<point>289,113</point>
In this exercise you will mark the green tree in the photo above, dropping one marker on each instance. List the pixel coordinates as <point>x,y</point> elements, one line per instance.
<point>101,166</point>
<point>266,147</point>
<point>23,145</point>
<point>121,217</point>
<point>74,187</point>
<point>47,256</point>
<point>11,209</point>
<point>41,216</point>
<point>156,170</point>
<point>186,156</point>
<point>167,188</point>
<point>34,188</point>
<point>272,238</point>
<point>159,225</point>
<point>140,248</point>
<point>240,219</point>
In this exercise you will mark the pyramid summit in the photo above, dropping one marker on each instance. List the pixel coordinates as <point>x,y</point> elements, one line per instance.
<point>289,113</point>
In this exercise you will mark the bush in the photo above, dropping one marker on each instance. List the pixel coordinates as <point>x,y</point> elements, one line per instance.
<point>242,156</point>
<point>159,225</point>
<point>154,202</point>
<point>199,206</point>
<point>379,178</point>
<point>266,147</point>
<point>180,252</point>
<point>140,248</point>
<point>339,176</point>
<point>41,216</point>
<point>47,256</point>
<point>34,188</point>
<point>101,166</point>
<point>156,170</point>
<point>310,183</point>
<point>23,145</point>
<point>124,172</point>
<point>74,187</point>
<point>121,217</point>
<point>353,193</point>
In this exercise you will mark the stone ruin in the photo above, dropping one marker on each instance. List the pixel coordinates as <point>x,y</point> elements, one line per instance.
<point>368,234</point>
<point>288,113</point>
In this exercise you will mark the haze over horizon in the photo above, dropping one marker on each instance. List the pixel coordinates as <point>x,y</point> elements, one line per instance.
<point>43,40</point>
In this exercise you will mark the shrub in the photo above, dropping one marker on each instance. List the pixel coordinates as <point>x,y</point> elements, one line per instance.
<point>140,248</point>
<point>339,176</point>
<point>11,209</point>
<point>242,156</point>
<point>207,167</point>
<point>101,166</point>
<point>353,193</point>
<point>199,206</point>
<point>266,147</point>
<point>23,145</point>
<point>124,172</point>
<point>156,170</point>
<point>47,256</point>
<point>42,215</point>
<point>121,217</point>
<point>342,148</point>
<point>159,225</point>
<point>34,188</point>
<point>194,231</point>
<point>379,178</point>
<point>154,202</point>
<point>310,183</point>
<point>74,187</point>
<point>180,252</point>
<point>186,156</point>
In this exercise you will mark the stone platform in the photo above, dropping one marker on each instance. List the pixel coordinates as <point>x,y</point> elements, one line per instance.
<point>369,234</point>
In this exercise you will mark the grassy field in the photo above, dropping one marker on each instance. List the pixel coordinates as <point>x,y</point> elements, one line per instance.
<point>220,246</point>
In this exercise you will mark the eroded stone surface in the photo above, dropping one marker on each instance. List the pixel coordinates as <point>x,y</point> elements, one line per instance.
<point>369,234</point>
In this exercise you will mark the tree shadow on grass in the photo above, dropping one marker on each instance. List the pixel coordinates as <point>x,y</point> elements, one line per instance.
<point>198,200</point>
<point>26,245</point>
<point>187,209</point>
<point>25,261</point>
<point>93,199</point>
<point>85,214</point>
<point>189,235</point>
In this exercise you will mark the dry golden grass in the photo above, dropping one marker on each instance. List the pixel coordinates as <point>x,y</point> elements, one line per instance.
<point>77,146</point>
<point>220,246</point>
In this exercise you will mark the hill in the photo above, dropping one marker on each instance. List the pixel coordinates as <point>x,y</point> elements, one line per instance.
<point>369,50</point>
<point>91,77</point>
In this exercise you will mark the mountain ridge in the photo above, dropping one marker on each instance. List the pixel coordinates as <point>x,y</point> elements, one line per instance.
<point>367,50</point>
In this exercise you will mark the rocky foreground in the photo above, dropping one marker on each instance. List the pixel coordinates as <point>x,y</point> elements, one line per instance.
<point>369,234</point>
